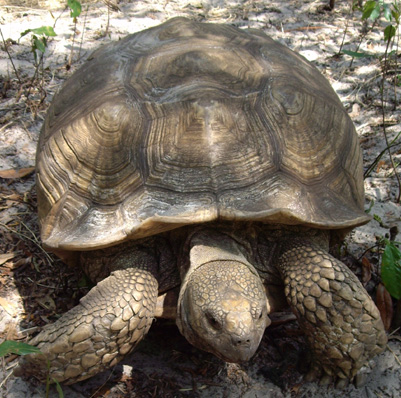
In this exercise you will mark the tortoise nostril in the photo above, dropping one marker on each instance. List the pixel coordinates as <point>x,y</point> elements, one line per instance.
<point>239,342</point>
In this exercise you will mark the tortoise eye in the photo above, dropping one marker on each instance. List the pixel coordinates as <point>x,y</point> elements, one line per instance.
<point>213,322</point>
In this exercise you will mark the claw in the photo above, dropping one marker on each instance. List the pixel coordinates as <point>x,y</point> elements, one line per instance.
<point>361,377</point>
<point>325,380</point>
<point>313,374</point>
<point>342,383</point>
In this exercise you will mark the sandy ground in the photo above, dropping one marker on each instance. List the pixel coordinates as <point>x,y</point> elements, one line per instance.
<point>164,364</point>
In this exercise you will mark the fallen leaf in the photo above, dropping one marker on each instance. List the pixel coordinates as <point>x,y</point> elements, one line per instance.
<point>16,173</point>
<point>380,165</point>
<point>9,307</point>
<point>7,256</point>
<point>385,305</point>
<point>20,262</point>
<point>47,303</point>
<point>366,271</point>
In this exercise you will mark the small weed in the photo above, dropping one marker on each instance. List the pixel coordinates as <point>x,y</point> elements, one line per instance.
<point>39,38</point>
<point>18,348</point>
<point>373,11</point>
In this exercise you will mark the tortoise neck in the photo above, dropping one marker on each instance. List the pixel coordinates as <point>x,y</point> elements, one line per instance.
<point>206,245</point>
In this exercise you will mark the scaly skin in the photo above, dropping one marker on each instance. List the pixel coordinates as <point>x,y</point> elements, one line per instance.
<point>341,322</point>
<point>107,324</point>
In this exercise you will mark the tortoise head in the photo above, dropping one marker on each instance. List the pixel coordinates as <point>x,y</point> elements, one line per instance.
<point>223,309</point>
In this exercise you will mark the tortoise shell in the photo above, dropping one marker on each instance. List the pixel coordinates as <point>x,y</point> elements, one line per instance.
<point>189,123</point>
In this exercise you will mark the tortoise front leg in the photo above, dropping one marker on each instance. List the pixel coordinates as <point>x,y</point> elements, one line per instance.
<point>340,320</point>
<point>107,324</point>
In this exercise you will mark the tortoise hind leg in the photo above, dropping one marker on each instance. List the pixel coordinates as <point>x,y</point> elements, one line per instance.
<point>340,320</point>
<point>107,324</point>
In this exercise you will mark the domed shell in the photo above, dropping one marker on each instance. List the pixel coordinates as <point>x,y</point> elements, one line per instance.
<point>188,123</point>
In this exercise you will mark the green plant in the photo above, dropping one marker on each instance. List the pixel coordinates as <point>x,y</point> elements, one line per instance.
<point>373,10</point>
<point>39,44</point>
<point>13,347</point>
<point>75,11</point>
<point>39,38</point>
<point>391,268</point>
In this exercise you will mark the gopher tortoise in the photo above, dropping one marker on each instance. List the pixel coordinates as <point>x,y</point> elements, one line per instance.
<point>199,172</point>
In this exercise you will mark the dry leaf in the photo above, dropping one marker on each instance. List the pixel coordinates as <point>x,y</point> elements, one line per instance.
<point>380,165</point>
<point>47,303</point>
<point>7,256</point>
<point>9,307</point>
<point>295,389</point>
<point>385,305</point>
<point>16,173</point>
<point>366,271</point>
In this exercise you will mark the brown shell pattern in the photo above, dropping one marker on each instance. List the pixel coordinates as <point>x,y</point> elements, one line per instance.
<point>189,123</point>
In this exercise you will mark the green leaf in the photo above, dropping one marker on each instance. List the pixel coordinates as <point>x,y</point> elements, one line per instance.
<point>369,209</point>
<point>75,7</point>
<point>391,269</point>
<point>58,388</point>
<point>357,54</point>
<point>378,219</point>
<point>14,347</point>
<point>375,13</point>
<point>25,32</point>
<point>389,32</point>
<point>39,44</point>
<point>396,16</point>
<point>387,12</point>
<point>368,9</point>
<point>45,31</point>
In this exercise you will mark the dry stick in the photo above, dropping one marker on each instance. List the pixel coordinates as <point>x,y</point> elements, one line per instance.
<point>83,33</point>
<point>34,76</point>
<point>34,241</point>
<point>395,355</point>
<point>9,56</point>
<point>393,143</point>
<point>108,20</point>
<point>363,35</point>
<point>384,70</point>
<point>73,43</point>
<point>59,16</point>
<point>395,74</point>
<point>346,29</point>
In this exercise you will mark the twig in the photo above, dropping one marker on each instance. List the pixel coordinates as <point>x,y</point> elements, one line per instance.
<point>108,21</point>
<point>304,28</point>
<point>10,58</point>
<point>34,76</point>
<point>5,379</point>
<point>380,155</point>
<point>83,32</point>
<point>59,16</point>
<point>395,355</point>
<point>73,43</point>
<point>346,29</point>
<point>34,241</point>
<point>384,69</point>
